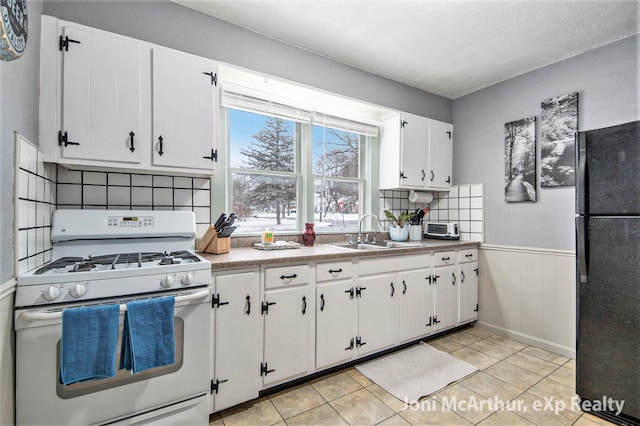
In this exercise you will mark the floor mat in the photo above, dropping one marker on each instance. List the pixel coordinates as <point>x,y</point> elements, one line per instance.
<point>417,371</point>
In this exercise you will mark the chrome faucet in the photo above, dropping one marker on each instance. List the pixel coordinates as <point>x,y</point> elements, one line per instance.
<point>360,228</point>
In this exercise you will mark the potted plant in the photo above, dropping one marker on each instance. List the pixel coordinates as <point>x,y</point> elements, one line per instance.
<point>399,228</point>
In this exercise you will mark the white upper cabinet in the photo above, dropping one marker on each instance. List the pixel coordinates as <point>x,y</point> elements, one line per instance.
<point>101,97</point>
<point>440,150</point>
<point>184,97</point>
<point>107,101</point>
<point>415,153</point>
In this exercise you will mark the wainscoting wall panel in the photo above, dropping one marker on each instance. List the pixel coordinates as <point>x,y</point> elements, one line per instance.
<point>529,295</point>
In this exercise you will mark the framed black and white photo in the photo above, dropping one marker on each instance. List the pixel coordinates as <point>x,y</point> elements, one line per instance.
<point>557,147</point>
<point>520,160</point>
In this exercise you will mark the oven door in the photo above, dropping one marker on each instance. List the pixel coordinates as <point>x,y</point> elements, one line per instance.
<point>42,399</point>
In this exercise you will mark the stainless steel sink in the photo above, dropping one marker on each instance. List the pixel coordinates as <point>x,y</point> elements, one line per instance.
<point>380,245</point>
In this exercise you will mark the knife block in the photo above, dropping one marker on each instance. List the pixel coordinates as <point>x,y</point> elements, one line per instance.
<point>211,243</point>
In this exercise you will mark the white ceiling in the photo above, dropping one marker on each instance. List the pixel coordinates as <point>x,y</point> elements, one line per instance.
<point>447,47</point>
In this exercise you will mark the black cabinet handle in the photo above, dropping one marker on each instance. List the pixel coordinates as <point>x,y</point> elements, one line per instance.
<point>350,347</point>
<point>64,43</point>
<point>435,320</point>
<point>476,271</point>
<point>468,255</point>
<point>132,147</point>
<point>322,302</point>
<point>453,276</point>
<point>444,259</point>
<point>402,176</point>
<point>304,305</point>
<point>335,271</point>
<point>476,309</point>
<point>288,277</point>
<point>359,342</point>
<point>432,175</point>
<point>429,278</point>
<point>359,291</point>
<point>448,179</point>
<point>350,291</point>
<point>429,323</point>
<point>248,298</point>
<point>393,289</point>
<point>424,175</point>
<point>461,276</point>
<point>404,287</point>
<point>160,151</point>
<point>435,279</point>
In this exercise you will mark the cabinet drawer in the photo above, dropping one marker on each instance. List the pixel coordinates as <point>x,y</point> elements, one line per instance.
<point>445,258</point>
<point>286,276</point>
<point>393,264</point>
<point>469,255</point>
<point>332,271</point>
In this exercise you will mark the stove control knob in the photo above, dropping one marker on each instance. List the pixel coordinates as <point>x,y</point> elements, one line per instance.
<point>52,293</point>
<point>78,290</point>
<point>188,278</point>
<point>167,281</point>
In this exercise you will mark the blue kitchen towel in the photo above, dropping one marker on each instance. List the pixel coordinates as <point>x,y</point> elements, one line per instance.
<point>148,340</point>
<point>89,340</point>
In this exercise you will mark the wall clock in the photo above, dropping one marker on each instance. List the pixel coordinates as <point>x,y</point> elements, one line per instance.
<point>13,29</point>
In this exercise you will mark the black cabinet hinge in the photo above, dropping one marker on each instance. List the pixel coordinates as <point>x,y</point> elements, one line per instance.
<point>430,279</point>
<point>402,176</point>
<point>429,324</point>
<point>476,309</point>
<point>403,123</point>
<point>359,291</point>
<point>215,386</point>
<point>213,156</point>
<point>435,279</point>
<point>214,77</point>
<point>64,140</point>
<point>264,369</point>
<point>264,310</point>
<point>359,342</point>
<point>215,301</point>
<point>449,133</point>
<point>476,271</point>
<point>64,43</point>
<point>435,320</point>
<point>350,291</point>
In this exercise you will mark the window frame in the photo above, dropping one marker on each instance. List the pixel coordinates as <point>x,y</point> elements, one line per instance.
<point>222,189</point>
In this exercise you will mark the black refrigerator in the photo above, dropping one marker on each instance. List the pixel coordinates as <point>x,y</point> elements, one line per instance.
<point>608,271</point>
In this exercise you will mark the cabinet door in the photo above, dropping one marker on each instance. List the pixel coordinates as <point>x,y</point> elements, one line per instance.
<point>377,323</point>
<point>184,97</point>
<point>101,97</point>
<point>286,333</point>
<point>413,151</point>
<point>440,153</point>
<point>335,325</point>
<point>468,292</point>
<point>446,296</point>
<point>236,339</point>
<point>414,299</point>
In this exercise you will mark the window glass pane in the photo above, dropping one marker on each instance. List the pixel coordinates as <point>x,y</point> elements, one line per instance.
<point>260,142</point>
<point>262,201</point>
<point>336,205</point>
<point>335,152</point>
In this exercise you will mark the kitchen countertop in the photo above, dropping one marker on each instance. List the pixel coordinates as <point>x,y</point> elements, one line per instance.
<point>242,257</point>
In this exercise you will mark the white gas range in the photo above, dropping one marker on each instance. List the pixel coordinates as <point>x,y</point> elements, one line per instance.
<point>113,257</point>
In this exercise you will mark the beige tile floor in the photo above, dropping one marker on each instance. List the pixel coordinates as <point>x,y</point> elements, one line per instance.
<point>509,371</point>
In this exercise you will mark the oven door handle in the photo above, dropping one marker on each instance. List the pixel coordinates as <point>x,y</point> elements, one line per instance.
<point>30,316</point>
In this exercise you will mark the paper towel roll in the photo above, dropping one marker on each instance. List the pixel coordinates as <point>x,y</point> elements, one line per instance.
<point>420,197</point>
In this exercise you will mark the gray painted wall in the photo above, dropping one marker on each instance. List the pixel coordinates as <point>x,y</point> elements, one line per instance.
<point>19,92</point>
<point>178,27</point>
<point>607,80</point>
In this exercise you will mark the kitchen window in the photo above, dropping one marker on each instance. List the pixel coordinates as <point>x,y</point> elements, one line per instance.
<point>287,166</point>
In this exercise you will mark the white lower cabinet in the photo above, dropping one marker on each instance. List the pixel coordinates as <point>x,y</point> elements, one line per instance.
<point>376,297</point>
<point>287,312</point>
<point>416,304</point>
<point>336,311</point>
<point>446,297</point>
<point>468,285</point>
<point>236,339</point>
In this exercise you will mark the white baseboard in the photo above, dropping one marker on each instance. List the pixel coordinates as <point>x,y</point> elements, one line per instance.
<point>530,340</point>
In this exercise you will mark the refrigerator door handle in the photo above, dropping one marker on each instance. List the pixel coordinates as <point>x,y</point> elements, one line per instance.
<point>581,249</point>
<point>581,164</point>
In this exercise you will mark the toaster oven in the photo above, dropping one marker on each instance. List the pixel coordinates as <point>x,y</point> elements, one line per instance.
<point>442,230</point>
